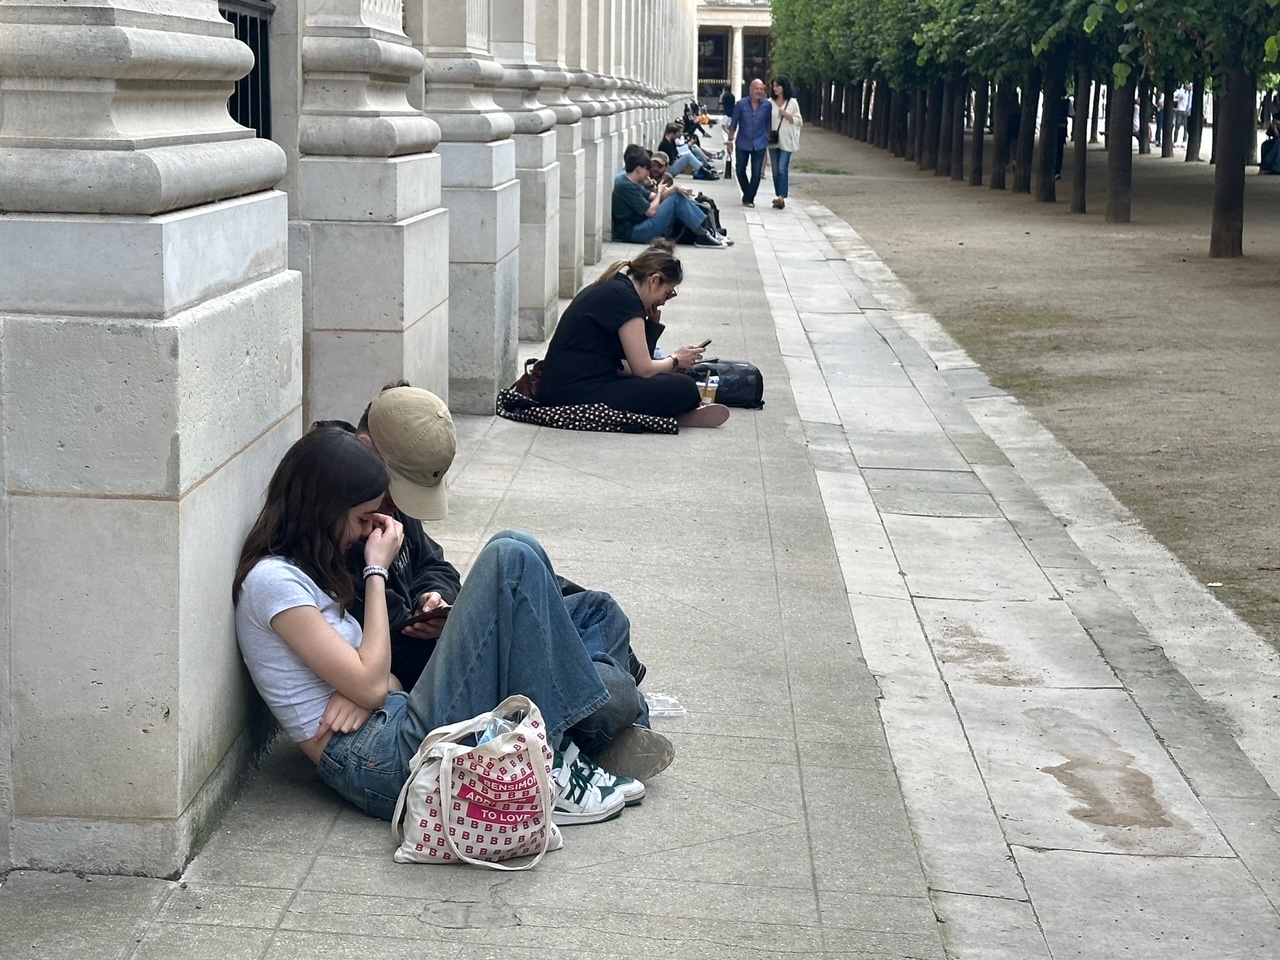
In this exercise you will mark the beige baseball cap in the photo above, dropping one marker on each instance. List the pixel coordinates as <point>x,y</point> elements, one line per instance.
<point>413,432</point>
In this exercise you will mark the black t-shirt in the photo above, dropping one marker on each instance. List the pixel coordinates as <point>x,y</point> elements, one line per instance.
<point>670,149</point>
<point>585,352</point>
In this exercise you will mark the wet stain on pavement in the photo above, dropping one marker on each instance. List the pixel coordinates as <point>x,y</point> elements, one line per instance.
<point>1100,775</point>
<point>958,642</point>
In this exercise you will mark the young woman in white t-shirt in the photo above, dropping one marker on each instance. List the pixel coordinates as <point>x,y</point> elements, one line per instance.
<point>328,680</point>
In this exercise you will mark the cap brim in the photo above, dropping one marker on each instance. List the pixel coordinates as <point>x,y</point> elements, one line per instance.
<point>419,502</point>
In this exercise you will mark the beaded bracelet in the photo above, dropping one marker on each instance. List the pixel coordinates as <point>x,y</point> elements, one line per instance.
<point>373,570</point>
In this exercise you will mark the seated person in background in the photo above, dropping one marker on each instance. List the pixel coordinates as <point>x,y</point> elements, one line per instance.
<point>659,177</point>
<point>640,215</point>
<point>681,157</point>
<point>412,432</point>
<point>1271,147</point>
<point>602,350</point>
<point>508,632</point>
<point>692,123</point>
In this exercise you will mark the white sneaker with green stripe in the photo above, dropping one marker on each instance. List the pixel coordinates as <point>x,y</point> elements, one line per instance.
<point>579,798</point>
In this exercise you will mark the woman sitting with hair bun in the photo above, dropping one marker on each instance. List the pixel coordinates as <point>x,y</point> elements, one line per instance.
<point>602,350</point>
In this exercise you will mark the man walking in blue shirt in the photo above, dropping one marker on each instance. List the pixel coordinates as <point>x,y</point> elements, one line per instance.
<point>748,129</point>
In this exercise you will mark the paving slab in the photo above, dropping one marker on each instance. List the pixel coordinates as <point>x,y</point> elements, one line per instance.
<point>930,712</point>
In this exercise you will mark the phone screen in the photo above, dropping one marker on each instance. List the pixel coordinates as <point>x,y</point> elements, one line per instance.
<point>434,614</point>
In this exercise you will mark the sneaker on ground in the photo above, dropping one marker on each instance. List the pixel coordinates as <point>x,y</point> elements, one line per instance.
<point>724,239</point>
<point>638,752</point>
<point>578,798</point>
<point>708,240</point>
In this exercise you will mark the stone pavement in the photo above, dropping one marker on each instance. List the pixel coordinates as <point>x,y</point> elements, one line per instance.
<point>921,723</point>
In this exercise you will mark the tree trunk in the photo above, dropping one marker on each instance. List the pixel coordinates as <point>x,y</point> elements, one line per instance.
<point>1217,112</point>
<point>855,111</point>
<point>982,89</point>
<point>1120,150</point>
<point>1166,117</point>
<point>1000,135</point>
<point>943,166</point>
<point>846,108</point>
<point>1027,132</point>
<point>1055,88</point>
<point>921,123</point>
<point>928,158</point>
<point>1144,115</point>
<point>1195,119</point>
<point>1080,134</point>
<point>959,109</point>
<point>868,89</point>
<point>914,109</point>
<point>1097,104</point>
<point>1251,141</point>
<point>898,123</point>
<point>877,114</point>
<point>886,113</point>
<point>1233,128</point>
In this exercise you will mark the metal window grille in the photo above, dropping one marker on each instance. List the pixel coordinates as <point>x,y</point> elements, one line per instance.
<point>250,105</point>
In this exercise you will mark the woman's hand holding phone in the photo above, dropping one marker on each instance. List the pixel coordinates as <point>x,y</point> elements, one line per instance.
<point>428,619</point>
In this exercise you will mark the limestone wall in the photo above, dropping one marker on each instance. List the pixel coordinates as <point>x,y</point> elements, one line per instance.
<point>178,299</point>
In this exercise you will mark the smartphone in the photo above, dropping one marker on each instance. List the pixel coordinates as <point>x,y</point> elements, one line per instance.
<point>433,614</point>
<point>703,345</point>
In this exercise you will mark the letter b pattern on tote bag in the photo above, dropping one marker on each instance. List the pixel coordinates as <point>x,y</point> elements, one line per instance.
<point>485,803</point>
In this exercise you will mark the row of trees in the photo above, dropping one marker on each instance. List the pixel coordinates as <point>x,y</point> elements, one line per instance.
<point>900,73</point>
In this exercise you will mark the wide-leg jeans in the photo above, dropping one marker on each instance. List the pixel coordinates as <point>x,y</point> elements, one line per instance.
<point>509,632</point>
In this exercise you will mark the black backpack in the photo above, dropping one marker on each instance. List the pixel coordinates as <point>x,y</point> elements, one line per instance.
<point>741,383</point>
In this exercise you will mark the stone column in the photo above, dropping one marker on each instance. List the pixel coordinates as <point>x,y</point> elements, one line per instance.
<point>515,47</point>
<point>578,57</point>
<point>552,22</point>
<point>736,79</point>
<point>152,378</point>
<point>627,127</point>
<point>605,86</point>
<point>367,229</point>
<point>483,196</point>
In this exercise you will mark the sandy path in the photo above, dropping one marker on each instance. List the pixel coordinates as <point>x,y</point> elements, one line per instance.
<point>1149,361</point>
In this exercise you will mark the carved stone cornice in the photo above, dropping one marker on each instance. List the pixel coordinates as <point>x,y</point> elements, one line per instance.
<point>555,94</point>
<point>356,66</point>
<point>110,109</point>
<point>517,95</point>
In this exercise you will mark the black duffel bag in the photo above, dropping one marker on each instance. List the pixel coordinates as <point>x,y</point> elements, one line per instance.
<point>741,383</point>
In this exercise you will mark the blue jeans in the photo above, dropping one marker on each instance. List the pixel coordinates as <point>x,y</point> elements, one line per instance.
<point>740,160</point>
<point>509,632</point>
<point>675,207</point>
<point>682,164</point>
<point>606,635</point>
<point>781,160</point>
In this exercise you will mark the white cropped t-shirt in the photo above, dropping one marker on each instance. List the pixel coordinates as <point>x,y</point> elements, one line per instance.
<point>294,693</point>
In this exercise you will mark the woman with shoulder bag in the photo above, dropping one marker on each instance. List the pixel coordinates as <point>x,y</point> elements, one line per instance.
<point>602,350</point>
<point>328,679</point>
<point>784,138</point>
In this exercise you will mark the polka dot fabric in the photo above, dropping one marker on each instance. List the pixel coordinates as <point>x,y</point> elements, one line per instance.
<point>587,416</point>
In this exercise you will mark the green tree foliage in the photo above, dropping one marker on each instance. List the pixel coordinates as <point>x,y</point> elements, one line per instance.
<point>909,44</point>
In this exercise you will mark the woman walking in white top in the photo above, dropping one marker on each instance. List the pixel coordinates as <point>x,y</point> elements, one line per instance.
<point>784,139</point>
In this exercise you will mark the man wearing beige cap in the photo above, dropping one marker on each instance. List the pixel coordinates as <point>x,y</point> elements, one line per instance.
<point>413,432</point>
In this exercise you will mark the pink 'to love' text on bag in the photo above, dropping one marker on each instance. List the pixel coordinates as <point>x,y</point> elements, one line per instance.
<point>480,804</point>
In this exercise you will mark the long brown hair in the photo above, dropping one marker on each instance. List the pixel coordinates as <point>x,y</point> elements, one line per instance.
<point>659,257</point>
<point>322,476</point>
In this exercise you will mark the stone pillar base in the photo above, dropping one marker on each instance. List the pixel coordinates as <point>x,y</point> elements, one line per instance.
<point>372,245</point>
<point>596,199</point>
<point>572,206</point>
<point>539,174</point>
<point>483,198</point>
<point>152,380</point>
